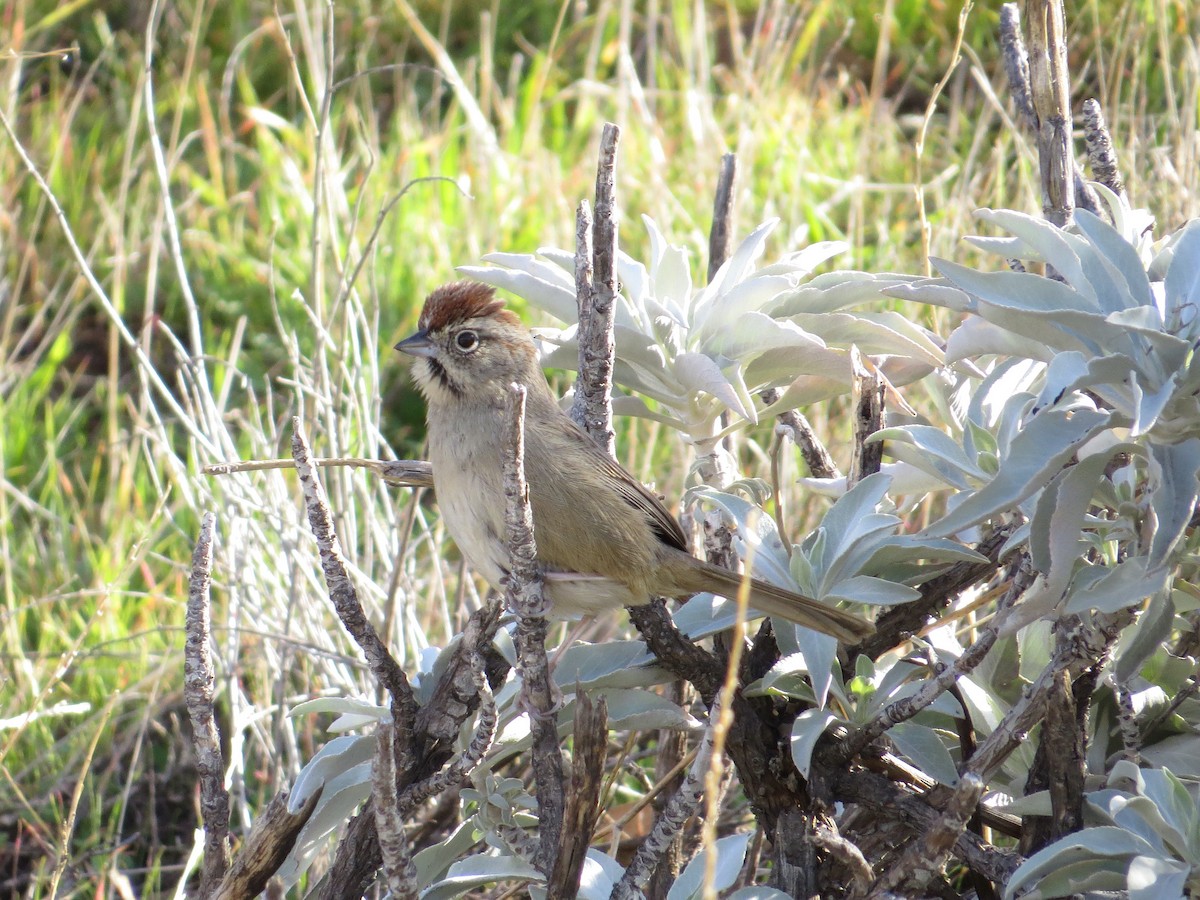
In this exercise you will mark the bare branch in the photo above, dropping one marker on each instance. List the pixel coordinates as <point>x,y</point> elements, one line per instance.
<point>398,867</point>
<point>583,801</point>
<point>1101,158</point>
<point>592,406</point>
<point>720,235</point>
<point>866,458</point>
<point>266,847</point>
<point>198,690</point>
<point>525,598</point>
<point>343,593</point>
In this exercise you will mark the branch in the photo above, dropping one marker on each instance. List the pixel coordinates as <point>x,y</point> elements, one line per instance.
<point>592,407</point>
<point>399,872</point>
<point>583,802</point>
<point>720,235</point>
<point>525,599</point>
<point>1101,158</point>
<point>198,684</point>
<point>342,593</point>
<point>267,846</point>
<point>866,458</point>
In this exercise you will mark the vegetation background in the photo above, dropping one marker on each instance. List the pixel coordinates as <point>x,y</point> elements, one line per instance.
<point>239,196</point>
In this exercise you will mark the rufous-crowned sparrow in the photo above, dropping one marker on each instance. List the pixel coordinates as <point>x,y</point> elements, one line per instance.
<point>604,540</point>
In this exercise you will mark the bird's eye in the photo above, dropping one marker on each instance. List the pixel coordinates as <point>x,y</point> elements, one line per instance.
<point>467,341</point>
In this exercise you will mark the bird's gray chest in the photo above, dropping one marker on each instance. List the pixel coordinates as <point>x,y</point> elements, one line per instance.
<point>468,479</point>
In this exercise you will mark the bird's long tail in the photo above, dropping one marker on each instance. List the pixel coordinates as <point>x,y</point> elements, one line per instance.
<point>777,601</point>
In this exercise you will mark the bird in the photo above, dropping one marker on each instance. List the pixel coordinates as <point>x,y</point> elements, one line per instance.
<point>604,540</point>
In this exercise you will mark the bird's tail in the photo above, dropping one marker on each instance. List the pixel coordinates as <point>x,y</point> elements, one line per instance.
<point>777,601</point>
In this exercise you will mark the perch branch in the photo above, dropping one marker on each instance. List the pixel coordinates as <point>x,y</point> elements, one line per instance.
<point>525,598</point>
<point>198,691</point>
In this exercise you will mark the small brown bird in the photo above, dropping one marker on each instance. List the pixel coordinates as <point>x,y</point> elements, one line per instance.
<point>604,540</point>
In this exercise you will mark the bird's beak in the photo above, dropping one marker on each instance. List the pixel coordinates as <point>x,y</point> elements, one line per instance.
<point>417,344</point>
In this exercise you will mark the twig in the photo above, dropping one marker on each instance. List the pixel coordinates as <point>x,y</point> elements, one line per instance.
<point>931,689</point>
<point>879,796</point>
<point>680,808</point>
<point>1101,158</point>
<point>825,836</point>
<point>398,868</point>
<point>583,801</point>
<point>866,458</point>
<point>1051,87</point>
<point>343,594</point>
<point>267,846</point>
<point>900,623</point>
<point>1016,64</point>
<point>593,391</point>
<point>525,598</point>
<point>792,423</point>
<point>454,774</point>
<point>198,690</point>
<point>406,472</point>
<point>720,235</point>
<point>922,860</point>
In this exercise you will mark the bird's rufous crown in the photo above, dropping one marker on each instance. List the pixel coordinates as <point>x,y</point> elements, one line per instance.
<point>460,301</point>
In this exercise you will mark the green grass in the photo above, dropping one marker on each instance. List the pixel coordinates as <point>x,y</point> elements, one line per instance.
<point>101,493</point>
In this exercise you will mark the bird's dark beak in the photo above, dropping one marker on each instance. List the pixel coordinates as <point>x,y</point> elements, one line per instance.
<point>417,344</point>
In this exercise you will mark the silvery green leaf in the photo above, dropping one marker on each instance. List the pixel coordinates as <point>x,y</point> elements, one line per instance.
<point>1086,846</point>
<point>1150,405</point>
<point>564,259</point>
<point>756,529</point>
<point>1173,813</point>
<point>635,288</point>
<point>730,853</point>
<point>753,333</point>
<point>977,337</point>
<point>697,372</point>
<point>1182,282</point>
<point>849,553</point>
<point>873,336</point>
<point>806,731</point>
<point>819,652</point>
<point>433,862</point>
<point>872,590</point>
<point>1179,752</point>
<point>1034,456</point>
<point>750,295</point>
<point>338,756</point>
<point>935,292</point>
<point>1007,247</point>
<point>1174,497</point>
<point>918,553</point>
<point>1110,588</point>
<point>759,892</point>
<point>351,713</point>
<point>588,665</point>
<point>832,291</point>
<point>923,747</point>
<point>635,406</point>
<point>1146,636</point>
<point>600,874</point>
<point>1155,878</point>
<point>817,374</point>
<point>935,452</point>
<point>704,615</point>
<point>1017,291</point>
<point>1123,260</point>
<point>1057,247</point>
<point>737,267</point>
<point>907,480</point>
<point>669,272</point>
<point>1057,522</point>
<point>479,871</point>
<point>341,794</point>
<point>789,676</point>
<point>634,709</point>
